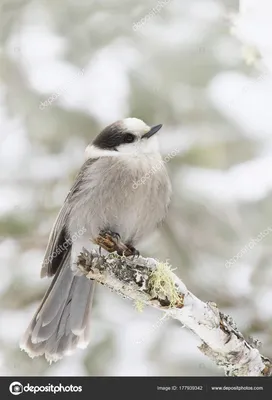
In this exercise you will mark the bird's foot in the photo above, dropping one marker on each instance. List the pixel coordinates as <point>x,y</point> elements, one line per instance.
<point>134,252</point>
<point>107,233</point>
<point>114,235</point>
<point>111,242</point>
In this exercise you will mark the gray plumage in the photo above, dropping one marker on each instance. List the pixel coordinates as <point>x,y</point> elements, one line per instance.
<point>102,198</point>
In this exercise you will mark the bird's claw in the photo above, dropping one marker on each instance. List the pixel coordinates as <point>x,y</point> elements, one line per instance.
<point>113,235</point>
<point>111,242</point>
<point>134,252</point>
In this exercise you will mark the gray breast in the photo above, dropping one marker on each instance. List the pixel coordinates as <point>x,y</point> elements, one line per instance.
<point>110,197</point>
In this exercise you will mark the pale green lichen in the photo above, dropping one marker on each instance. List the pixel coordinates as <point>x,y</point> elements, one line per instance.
<point>162,285</point>
<point>139,305</point>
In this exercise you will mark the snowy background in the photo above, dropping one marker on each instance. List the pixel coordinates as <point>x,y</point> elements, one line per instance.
<point>203,69</point>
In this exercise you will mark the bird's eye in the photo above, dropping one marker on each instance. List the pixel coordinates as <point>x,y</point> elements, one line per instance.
<point>129,138</point>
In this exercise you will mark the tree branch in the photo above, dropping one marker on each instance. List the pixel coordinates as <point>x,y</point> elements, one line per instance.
<point>152,283</point>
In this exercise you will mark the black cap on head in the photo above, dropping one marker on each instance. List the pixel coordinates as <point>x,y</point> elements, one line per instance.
<point>110,138</point>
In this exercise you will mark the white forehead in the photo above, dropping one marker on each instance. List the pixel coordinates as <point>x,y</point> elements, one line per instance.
<point>135,125</point>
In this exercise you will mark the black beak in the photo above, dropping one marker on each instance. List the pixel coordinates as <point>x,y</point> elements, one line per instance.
<point>152,131</point>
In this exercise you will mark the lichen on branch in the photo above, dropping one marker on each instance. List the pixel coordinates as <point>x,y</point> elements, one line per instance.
<point>149,282</point>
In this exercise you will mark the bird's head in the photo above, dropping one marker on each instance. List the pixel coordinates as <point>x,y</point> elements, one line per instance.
<point>127,136</point>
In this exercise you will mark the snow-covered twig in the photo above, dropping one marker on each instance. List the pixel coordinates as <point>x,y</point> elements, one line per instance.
<point>153,283</point>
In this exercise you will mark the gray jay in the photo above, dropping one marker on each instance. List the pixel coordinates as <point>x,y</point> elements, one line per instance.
<point>102,199</point>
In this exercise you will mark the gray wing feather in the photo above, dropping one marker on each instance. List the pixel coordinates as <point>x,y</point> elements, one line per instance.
<point>59,233</point>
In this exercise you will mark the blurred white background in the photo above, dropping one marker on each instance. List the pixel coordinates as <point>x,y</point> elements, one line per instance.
<point>204,72</point>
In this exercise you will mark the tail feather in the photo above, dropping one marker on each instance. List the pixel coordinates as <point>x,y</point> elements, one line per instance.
<point>54,298</point>
<point>60,324</point>
<point>78,309</point>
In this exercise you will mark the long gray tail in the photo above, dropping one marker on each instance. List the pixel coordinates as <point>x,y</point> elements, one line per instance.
<point>61,322</point>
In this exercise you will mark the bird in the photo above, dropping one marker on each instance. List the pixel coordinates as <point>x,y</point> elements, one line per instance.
<point>103,198</point>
